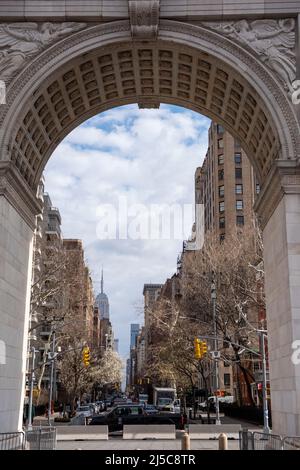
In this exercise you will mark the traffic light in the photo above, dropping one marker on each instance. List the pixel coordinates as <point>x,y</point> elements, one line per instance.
<point>86,356</point>
<point>203,348</point>
<point>197,350</point>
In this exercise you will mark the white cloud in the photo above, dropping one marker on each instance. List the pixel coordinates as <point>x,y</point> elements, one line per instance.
<point>149,156</point>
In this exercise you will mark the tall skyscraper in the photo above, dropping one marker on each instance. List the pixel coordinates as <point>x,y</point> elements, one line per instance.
<point>116,345</point>
<point>134,332</point>
<point>102,302</point>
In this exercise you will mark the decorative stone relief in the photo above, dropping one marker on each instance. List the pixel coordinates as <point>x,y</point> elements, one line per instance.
<point>20,42</point>
<point>144,18</point>
<point>272,40</point>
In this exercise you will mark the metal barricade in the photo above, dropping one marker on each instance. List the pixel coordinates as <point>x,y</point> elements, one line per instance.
<point>246,440</point>
<point>12,440</point>
<point>260,441</point>
<point>42,438</point>
<point>291,443</point>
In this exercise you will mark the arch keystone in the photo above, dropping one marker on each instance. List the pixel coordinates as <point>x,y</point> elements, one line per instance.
<point>144,18</point>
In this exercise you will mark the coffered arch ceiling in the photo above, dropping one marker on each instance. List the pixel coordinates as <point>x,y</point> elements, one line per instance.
<point>147,73</point>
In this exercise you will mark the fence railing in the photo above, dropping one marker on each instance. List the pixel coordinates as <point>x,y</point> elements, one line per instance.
<point>262,441</point>
<point>41,438</point>
<point>291,443</point>
<point>12,441</point>
<point>37,438</point>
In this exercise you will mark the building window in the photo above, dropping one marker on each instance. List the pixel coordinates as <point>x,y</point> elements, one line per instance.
<point>227,380</point>
<point>220,129</point>
<point>221,191</point>
<point>238,173</point>
<point>221,159</point>
<point>221,206</point>
<point>257,188</point>
<point>222,222</point>
<point>240,220</point>
<point>221,175</point>
<point>222,237</point>
<point>238,158</point>
<point>220,143</point>
<point>239,205</point>
<point>238,189</point>
<point>237,144</point>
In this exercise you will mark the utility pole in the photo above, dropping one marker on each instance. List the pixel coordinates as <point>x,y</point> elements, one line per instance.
<point>216,366</point>
<point>51,378</point>
<point>31,388</point>
<point>262,336</point>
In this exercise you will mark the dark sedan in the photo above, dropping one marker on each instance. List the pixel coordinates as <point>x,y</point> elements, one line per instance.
<point>133,414</point>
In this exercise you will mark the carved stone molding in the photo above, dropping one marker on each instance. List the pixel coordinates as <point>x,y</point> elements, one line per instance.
<point>274,41</point>
<point>181,35</point>
<point>18,194</point>
<point>283,179</point>
<point>249,59</point>
<point>146,102</point>
<point>144,18</point>
<point>21,42</point>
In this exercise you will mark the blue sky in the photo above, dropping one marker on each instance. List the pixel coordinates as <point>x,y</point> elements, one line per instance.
<point>146,156</point>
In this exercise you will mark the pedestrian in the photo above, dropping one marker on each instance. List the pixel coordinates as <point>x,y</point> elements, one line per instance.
<point>61,409</point>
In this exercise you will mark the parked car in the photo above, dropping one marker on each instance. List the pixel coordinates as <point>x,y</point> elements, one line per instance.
<point>212,401</point>
<point>85,410</point>
<point>150,409</point>
<point>119,415</point>
<point>108,401</point>
<point>100,405</point>
<point>133,414</point>
<point>119,401</point>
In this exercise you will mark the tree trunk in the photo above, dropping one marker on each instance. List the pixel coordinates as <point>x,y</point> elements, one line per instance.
<point>246,378</point>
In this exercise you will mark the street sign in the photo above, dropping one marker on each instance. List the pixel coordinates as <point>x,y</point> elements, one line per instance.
<point>215,354</point>
<point>258,376</point>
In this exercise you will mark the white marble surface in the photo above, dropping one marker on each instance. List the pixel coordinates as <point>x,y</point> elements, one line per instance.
<point>282,264</point>
<point>15,272</point>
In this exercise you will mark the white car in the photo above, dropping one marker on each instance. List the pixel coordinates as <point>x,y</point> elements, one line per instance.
<point>226,399</point>
<point>84,410</point>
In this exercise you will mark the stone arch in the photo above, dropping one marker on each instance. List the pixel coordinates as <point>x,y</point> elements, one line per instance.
<point>101,67</point>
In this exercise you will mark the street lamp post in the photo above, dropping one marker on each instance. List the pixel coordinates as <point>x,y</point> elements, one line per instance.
<point>216,366</point>
<point>51,378</point>
<point>262,336</point>
<point>31,388</point>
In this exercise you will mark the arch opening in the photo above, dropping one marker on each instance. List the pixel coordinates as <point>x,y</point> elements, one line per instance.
<point>147,74</point>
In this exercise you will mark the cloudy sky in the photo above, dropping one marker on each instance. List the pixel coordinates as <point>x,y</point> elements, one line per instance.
<point>143,157</point>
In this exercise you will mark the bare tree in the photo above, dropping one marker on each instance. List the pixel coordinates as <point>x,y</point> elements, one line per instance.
<point>236,266</point>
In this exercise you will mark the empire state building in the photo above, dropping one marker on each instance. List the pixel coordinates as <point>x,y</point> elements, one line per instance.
<point>102,302</point>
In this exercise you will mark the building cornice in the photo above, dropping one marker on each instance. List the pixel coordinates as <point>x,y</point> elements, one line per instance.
<point>284,178</point>
<point>14,188</point>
